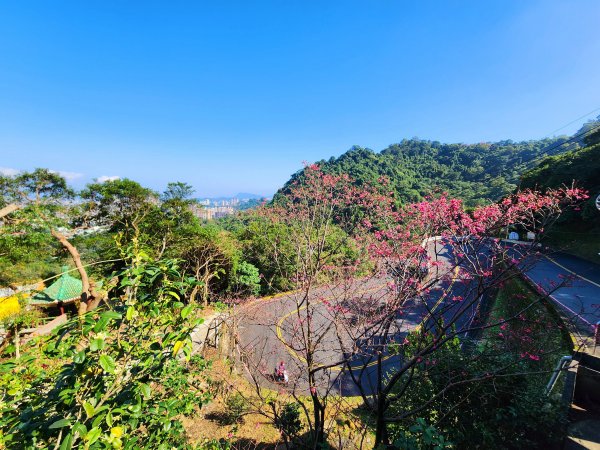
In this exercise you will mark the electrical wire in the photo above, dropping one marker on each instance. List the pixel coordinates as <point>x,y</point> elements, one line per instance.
<point>573,121</point>
<point>572,138</point>
<point>85,265</point>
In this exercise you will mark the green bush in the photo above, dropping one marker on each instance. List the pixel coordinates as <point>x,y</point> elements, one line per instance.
<point>246,279</point>
<point>288,421</point>
<point>505,411</point>
<point>421,436</point>
<point>237,407</point>
<point>122,382</point>
<point>215,444</point>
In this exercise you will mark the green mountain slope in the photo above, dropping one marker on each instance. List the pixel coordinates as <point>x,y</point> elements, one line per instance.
<point>473,172</point>
<point>582,166</point>
<point>577,231</point>
<point>477,173</point>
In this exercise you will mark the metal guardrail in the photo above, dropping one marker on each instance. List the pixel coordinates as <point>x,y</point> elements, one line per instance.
<point>563,364</point>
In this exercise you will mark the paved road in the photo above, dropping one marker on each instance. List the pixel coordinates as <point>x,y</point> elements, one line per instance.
<point>270,329</point>
<point>579,298</point>
<point>266,325</point>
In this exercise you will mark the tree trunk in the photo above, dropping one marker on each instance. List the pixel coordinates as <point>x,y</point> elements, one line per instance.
<point>318,409</point>
<point>205,294</point>
<point>381,435</point>
<point>193,294</point>
<point>205,280</point>
<point>95,299</point>
<point>8,209</point>
<point>89,298</point>
<point>319,418</point>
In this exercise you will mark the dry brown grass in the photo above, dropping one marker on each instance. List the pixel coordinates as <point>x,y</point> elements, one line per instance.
<point>256,431</point>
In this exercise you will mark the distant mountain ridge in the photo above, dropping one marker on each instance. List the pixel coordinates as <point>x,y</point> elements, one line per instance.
<point>477,173</point>
<point>240,196</point>
<point>250,196</point>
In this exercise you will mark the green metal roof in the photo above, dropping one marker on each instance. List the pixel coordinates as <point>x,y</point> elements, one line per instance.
<point>65,289</point>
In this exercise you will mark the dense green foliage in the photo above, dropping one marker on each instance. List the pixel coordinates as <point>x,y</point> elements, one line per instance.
<point>288,422</point>
<point>577,231</point>
<point>27,250</point>
<point>580,166</point>
<point>119,383</point>
<point>415,168</point>
<point>501,406</point>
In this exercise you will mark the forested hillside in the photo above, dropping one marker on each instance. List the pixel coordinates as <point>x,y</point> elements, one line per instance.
<point>581,166</point>
<point>474,172</point>
<point>577,231</point>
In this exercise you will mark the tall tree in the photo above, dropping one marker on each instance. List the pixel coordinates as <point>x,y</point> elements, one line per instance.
<point>175,220</point>
<point>319,217</point>
<point>120,204</point>
<point>210,255</point>
<point>435,262</point>
<point>43,202</point>
<point>465,263</point>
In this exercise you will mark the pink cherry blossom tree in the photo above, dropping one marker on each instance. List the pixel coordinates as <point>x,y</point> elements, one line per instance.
<point>443,264</point>
<point>326,261</point>
<point>418,277</point>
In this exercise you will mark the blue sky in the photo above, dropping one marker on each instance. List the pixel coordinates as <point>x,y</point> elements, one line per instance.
<point>234,96</point>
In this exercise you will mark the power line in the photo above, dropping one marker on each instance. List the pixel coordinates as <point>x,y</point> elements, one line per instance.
<point>572,138</point>
<point>573,121</point>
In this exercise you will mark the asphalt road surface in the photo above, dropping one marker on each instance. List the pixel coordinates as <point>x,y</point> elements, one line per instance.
<point>270,329</point>
<point>574,286</point>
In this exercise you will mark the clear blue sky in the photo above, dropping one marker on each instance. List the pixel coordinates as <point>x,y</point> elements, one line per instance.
<point>233,96</point>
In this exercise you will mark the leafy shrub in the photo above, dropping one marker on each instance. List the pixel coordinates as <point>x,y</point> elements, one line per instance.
<point>220,306</point>
<point>237,407</point>
<point>122,382</point>
<point>508,411</point>
<point>215,444</point>
<point>422,436</point>
<point>246,279</point>
<point>288,420</point>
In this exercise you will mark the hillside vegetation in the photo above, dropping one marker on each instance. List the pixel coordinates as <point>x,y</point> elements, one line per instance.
<point>577,231</point>
<point>125,370</point>
<point>476,173</point>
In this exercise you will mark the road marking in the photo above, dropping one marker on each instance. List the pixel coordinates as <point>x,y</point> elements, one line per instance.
<point>290,350</point>
<point>571,272</point>
<point>543,291</point>
<point>442,297</point>
<point>300,358</point>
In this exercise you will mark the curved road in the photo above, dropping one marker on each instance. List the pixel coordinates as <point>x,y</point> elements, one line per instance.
<point>270,329</point>
<point>579,297</point>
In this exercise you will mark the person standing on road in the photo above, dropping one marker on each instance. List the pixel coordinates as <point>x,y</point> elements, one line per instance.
<point>280,371</point>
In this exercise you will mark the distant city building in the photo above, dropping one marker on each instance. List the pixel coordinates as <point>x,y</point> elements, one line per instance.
<point>213,212</point>
<point>216,208</point>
